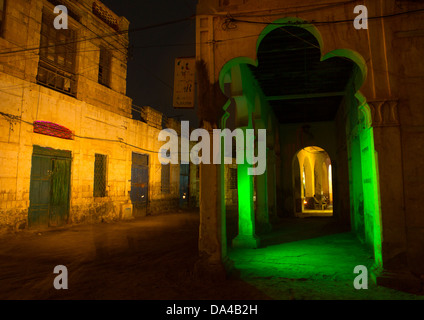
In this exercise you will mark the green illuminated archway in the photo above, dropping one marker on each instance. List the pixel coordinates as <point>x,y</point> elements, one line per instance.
<point>238,84</point>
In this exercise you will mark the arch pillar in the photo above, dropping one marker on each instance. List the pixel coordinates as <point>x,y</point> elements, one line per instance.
<point>262,206</point>
<point>246,237</point>
<point>212,243</point>
<point>395,269</point>
<point>271,186</point>
<point>262,214</point>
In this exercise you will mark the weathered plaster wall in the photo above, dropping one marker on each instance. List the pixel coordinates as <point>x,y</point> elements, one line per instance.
<point>99,116</point>
<point>96,131</point>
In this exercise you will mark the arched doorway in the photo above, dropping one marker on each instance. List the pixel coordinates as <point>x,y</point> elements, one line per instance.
<point>312,184</point>
<point>311,96</point>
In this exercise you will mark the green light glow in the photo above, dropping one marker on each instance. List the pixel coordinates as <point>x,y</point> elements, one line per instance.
<point>245,198</point>
<point>365,197</point>
<point>371,194</point>
<point>251,106</point>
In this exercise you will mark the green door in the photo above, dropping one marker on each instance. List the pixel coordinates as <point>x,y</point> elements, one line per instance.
<point>49,188</point>
<point>39,195</point>
<point>59,201</point>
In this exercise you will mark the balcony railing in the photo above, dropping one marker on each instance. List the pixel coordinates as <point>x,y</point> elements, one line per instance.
<point>56,78</point>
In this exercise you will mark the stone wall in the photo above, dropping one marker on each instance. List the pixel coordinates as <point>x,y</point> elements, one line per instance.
<point>96,131</point>
<point>98,116</point>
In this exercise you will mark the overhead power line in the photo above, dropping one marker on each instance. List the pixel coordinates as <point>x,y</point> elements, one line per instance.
<point>13,118</point>
<point>291,10</point>
<point>115,33</point>
<point>231,19</point>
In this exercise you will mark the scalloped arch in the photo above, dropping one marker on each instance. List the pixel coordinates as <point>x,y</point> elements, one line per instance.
<point>352,55</point>
<point>356,58</point>
<point>292,22</point>
<point>229,65</point>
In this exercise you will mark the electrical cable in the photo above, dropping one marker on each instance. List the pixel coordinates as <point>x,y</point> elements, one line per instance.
<point>16,118</point>
<point>196,43</point>
<point>324,22</point>
<point>296,10</point>
<point>193,16</point>
<point>100,36</point>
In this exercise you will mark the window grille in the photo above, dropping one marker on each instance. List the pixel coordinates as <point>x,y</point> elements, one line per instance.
<point>165,178</point>
<point>56,78</point>
<point>100,175</point>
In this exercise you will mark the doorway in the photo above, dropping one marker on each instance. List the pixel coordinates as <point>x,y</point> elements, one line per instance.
<point>139,193</point>
<point>184,185</point>
<point>312,183</point>
<point>49,188</point>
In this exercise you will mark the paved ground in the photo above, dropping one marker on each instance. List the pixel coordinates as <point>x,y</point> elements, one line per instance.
<point>310,259</point>
<point>153,258</point>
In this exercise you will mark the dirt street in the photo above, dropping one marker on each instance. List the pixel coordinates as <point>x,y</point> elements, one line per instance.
<point>147,258</point>
<point>154,257</point>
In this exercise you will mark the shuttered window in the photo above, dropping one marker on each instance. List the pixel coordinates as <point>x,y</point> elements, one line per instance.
<point>104,67</point>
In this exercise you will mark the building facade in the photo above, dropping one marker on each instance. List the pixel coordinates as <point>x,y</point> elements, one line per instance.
<point>70,151</point>
<point>304,72</point>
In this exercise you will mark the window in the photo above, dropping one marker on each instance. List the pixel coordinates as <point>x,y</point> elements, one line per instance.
<point>99,175</point>
<point>2,13</point>
<point>165,178</point>
<point>57,57</point>
<point>104,67</point>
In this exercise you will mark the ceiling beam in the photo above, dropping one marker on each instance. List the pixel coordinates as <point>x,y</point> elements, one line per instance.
<point>305,96</point>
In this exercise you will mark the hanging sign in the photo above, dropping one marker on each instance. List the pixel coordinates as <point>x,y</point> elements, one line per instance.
<point>184,78</point>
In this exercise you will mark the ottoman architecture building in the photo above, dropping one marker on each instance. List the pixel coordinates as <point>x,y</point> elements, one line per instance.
<point>70,151</point>
<point>336,100</point>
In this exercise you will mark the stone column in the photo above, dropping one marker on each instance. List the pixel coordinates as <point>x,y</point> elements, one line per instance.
<point>271,186</point>
<point>262,213</point>
<point>247,237</point>
<point>397,259</point>
<point>213,260</point>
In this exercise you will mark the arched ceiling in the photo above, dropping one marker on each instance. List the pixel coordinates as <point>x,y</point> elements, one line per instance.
<point>298,86</point>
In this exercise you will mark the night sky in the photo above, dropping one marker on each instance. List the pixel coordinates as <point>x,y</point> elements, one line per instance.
<point>151,68</point>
